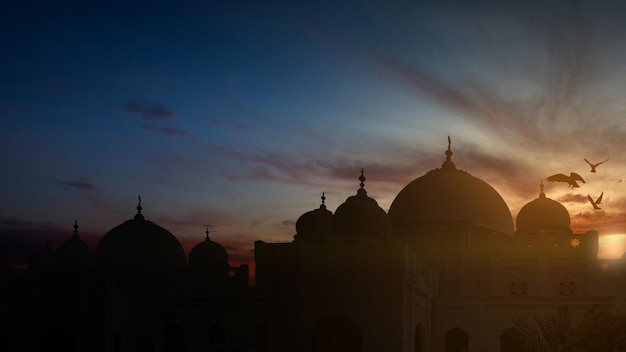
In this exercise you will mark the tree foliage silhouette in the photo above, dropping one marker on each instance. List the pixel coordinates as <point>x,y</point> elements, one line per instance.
<point>598,331</point>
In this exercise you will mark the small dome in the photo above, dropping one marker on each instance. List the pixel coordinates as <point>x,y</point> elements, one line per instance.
<point>209,257</point>
<point>139,246</point>
<point>74,255</point>
<point>448,195</point>
<point>360,216</point>
<point>315,224</point>
<point>42,261</point>
<point>543,215</point>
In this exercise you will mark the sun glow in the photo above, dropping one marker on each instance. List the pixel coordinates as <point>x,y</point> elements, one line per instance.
<point>611,246</point>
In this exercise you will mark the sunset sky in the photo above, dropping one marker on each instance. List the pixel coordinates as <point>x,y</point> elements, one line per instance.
<point>239,114</point>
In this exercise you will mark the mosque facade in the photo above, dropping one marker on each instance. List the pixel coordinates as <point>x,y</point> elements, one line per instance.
<point>444,270</point>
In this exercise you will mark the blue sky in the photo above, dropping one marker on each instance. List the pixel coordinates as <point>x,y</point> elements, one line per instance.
<point>239,114</point>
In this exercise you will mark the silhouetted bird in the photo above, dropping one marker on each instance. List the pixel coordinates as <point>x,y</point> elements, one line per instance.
<point>597,202</point>
<point>593,166</point>
<point>571,179</point>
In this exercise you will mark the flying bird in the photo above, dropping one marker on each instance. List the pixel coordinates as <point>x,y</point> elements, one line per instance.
<point>593,166</point>
<point>595,203</point>
<point>571,179</point>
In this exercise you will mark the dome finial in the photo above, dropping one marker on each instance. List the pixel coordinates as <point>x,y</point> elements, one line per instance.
<point>323,205</point>
<point>75,236</point>
<point>362,184</point>
<point>207,234</point>
<point>541,194</point>
<point>448,164</point>
<point>138,216</point>
<point>139,205</point>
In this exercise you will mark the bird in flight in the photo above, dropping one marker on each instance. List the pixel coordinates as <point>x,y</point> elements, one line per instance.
<point>571,179</point>
<point>593,166</point>
<point>595,203</point>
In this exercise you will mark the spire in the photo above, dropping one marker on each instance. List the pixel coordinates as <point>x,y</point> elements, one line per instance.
<point>139,216</point>
<point>541,194</point>
<point>362,190</point>
<point>323,206</point>
<point>207,234</point>
<point>75,236</point>
<point>448,164</point>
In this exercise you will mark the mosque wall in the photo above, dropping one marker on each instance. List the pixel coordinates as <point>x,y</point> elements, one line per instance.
<point>377,286</point>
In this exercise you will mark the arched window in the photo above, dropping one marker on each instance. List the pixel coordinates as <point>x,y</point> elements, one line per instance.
<point>512,340</point>
<point>4,342</point>
<point>262,338</point>
<point>117,342</point>
<point>337,333</point>
<point>175,338</point>
<point>57,339</point>
<point>457,340</point>
<point>145,344</point>
<point>418,345</point>
<point>217,338</point>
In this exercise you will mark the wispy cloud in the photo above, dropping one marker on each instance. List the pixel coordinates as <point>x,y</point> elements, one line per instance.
<point>148,111</point>
<point>573,198</point>
<point>195,221</point>
<point>167,131</point>
<point>10,107</point>
<point>552,99</point>
<point>83,183</point>
<point>240,126</point>
<point>14,222</point>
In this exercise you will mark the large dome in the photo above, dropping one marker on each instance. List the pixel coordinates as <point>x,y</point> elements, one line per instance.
<point>139,246</point>
<point>448,195</point>
<point>360,216</point>
<point>543,215</point>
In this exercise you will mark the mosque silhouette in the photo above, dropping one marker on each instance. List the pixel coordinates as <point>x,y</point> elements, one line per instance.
<point>443,270</point>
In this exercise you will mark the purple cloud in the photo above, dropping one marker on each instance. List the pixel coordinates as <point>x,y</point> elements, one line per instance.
<point>83,183</point>
<point>148,111</point>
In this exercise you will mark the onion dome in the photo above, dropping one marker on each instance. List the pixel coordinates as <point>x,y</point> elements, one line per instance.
<point>543,215</point>
<point>74,255</point>
<point>315,224</point>
<point>449,195</point>
<point>209,257</point>
<point>139,246</point>
<point>42,261</point>
<point>361,216</point>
